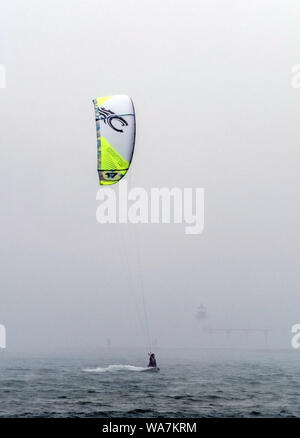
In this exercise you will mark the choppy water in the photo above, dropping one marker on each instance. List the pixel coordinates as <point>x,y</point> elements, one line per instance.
<point>190,384</point>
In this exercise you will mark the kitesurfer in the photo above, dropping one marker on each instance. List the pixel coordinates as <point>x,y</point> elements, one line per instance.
<point>152,360</point>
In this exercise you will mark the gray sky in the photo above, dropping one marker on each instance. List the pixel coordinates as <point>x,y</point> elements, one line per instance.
<point>211,83</point>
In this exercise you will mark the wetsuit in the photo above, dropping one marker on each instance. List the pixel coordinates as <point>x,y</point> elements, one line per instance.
<point>152,362</point>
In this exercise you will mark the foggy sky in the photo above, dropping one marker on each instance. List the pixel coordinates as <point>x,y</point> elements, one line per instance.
<point>211,84</point>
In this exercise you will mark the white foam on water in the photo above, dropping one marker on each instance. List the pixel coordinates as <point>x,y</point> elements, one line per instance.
<point>114,368</point>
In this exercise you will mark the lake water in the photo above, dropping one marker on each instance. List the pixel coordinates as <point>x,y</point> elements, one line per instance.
<point>109,383</point>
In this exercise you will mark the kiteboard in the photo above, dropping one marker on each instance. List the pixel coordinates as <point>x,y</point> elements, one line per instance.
<point>152,369</point>
<point>115,126</point>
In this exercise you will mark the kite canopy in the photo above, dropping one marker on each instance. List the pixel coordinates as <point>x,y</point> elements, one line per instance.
<point>115,124</point>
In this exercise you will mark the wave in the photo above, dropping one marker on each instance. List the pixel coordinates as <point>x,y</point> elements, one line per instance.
<point>114,368</point>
